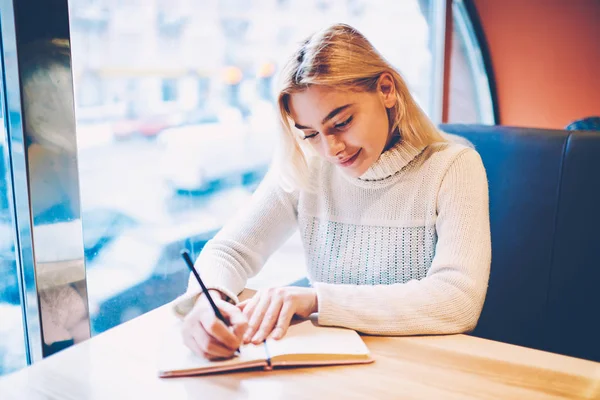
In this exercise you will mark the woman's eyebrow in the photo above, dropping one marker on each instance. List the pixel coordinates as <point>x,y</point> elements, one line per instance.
<point>332,114</point>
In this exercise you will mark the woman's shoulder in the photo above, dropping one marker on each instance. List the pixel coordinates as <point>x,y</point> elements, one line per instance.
<point>453,147</point>
<point>457,139</point>
<point>441,156</point>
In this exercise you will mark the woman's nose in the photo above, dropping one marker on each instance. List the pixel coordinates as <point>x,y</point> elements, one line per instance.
<point>333,145</point>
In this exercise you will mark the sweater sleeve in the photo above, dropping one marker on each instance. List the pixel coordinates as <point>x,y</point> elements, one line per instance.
<point>450,297</point>
<point>241,247</point>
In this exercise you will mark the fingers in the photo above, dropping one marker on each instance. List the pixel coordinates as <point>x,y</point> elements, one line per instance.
<point>250,306</point>
<point>242,305</point>
<point>219,331</point>
<point>210,348</point>
<point>237,320</point>
<point>270,318</point>
<point>202,344</point>
<point>257,309</point>
<point>270,311</point>
<point>283,322</point>
<point>209,337</point>
<point>190,341</point>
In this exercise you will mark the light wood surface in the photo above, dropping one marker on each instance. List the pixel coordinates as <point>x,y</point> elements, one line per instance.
<point>121,364</point>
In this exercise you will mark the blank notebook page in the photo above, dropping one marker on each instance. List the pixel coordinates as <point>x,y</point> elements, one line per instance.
<point>176,356</point>
<point>307,337</point>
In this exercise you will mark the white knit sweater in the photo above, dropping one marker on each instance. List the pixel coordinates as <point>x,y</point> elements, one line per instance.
<point>404,249</point>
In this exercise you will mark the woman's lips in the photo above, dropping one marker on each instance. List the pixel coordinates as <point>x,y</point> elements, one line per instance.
<point>349,161</point>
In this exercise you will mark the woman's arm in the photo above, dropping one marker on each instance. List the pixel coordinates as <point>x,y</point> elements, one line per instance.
<point>241,247</point>
<point>450,298</point>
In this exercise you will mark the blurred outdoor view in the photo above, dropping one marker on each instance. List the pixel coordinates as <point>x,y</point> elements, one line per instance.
<point>176,126</point>
<point>12,346</point>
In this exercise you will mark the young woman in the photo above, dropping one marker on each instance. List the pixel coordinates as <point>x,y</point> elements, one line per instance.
<point>394,218</point>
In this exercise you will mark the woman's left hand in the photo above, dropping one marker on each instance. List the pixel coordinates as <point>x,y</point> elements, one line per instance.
<point>270,311</point>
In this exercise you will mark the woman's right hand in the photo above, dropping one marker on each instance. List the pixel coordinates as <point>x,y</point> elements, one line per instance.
<point>206,335</point>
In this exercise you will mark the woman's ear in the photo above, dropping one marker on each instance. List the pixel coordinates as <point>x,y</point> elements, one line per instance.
<point>387,90</point>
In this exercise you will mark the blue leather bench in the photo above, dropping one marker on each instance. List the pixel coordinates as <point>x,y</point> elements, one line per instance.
<point>545,222</point>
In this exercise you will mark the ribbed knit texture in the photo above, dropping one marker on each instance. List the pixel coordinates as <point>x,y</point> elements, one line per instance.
<point>404,249</point>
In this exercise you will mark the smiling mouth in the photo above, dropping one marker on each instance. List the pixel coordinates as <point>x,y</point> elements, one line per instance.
<point>350,161</point>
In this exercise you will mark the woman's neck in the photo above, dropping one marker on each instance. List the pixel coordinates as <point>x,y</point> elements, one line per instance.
<point>392,140</point>
<point>392,160</point>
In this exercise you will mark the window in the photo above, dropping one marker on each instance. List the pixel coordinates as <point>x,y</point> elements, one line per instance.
<point>191,130</point>
<point>89,92</point>
<point>470,99</point>
<point>169,89</point>
<point>12,343</point>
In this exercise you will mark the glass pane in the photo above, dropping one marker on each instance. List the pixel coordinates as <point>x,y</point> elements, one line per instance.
<point>12,339</point>
<point>176,126</point>
<point>470,99</point>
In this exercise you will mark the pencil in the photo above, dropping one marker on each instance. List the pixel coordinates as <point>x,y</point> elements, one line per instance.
<point>186,256</point>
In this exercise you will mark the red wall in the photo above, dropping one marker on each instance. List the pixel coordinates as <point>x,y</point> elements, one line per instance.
<point>545,56</point>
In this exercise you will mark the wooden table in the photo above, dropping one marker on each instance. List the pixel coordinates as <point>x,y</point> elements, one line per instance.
<point>121,364</point>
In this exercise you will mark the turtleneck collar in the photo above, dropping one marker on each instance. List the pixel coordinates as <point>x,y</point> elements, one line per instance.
<point>391,161</point>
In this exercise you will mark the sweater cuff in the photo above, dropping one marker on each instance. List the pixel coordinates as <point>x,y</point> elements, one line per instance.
<point>328,314</point>
<point>183,304</point>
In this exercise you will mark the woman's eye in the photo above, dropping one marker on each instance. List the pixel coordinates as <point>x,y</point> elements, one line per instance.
<point>311,136</point>
<point>343,124</point>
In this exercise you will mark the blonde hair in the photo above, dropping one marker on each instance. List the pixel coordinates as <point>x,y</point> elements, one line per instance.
<point>340,56</point>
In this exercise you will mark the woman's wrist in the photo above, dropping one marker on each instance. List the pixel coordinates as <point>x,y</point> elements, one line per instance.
<point>315,308</point>
<point>214,294</point>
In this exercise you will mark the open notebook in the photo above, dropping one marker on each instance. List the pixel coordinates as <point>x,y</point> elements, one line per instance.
<point>305,344</point>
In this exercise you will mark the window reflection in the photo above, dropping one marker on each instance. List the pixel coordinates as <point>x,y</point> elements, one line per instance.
<point>12,345</point>
<point>177,125</point>
<point>54,191</point>
<point>470,94</point>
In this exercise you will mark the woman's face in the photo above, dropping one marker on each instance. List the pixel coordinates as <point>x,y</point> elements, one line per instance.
<point>347,128</point>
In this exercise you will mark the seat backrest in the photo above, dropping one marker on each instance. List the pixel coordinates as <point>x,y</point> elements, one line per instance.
<point>574,297</point>
<point>537,180</point>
